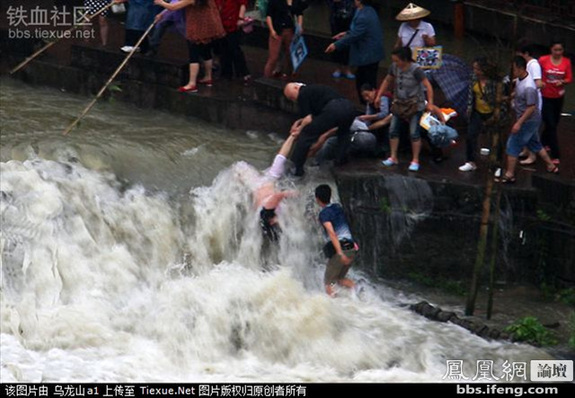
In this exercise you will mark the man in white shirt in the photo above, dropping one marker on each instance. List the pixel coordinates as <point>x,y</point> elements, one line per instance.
<point>414,32</point>
<point>524,131</point>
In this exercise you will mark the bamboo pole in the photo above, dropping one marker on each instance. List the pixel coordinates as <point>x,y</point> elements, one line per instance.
<point>493,158</point>
<point>47,46</point>
<point>110,80</point>
<point>484,228</point>
<point>481,246</point>
<point>494,241</point>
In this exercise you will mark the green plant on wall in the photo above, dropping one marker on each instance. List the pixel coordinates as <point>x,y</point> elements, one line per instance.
<point>530,330</point>
<point>384,205</point>
<point>571,341</point>
<point>115,87</point>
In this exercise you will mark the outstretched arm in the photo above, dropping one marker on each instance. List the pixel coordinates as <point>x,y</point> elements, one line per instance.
<point>316,146</point>
<point>287,145</point>
<point>335,241</point>
<point>384,87</point>
<point>272,201</point>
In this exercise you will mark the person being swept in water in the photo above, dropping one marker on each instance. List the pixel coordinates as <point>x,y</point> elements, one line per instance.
<point>267,197</point>
<point>340,248</point>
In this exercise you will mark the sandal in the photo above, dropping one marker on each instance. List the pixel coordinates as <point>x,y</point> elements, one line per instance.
<point>505,179</point>
<point>554,170</point>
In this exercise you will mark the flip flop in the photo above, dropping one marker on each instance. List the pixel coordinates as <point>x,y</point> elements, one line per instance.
<point>506,180</point>
<point>554,170</point>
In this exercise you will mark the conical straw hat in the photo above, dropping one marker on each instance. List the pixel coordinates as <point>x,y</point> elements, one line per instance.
<point>412,12</point>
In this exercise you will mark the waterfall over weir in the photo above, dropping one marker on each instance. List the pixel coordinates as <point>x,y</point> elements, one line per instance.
<point>410,200</point>
<point>121,263</point>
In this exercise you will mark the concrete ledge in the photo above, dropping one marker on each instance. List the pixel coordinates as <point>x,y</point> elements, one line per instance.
<point>150,83</point>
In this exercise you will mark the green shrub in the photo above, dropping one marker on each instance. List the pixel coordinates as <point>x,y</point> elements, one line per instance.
<point>531,331</point>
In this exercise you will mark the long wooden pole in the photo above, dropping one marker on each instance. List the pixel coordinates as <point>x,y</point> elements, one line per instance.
<point>481,246</point>
<point>494,158</point>
<point>47,46</point>
<point>110,80</point>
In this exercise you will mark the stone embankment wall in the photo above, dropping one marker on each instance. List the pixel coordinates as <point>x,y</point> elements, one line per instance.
<point>406,225</point>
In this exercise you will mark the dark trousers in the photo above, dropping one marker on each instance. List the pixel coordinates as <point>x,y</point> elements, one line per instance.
<point>338,113</point>
<point>157,34</point>
<point>551,114</point>
<point>339,25</point>
<point>475,127</point>
<point>232,57</point>
<point>197,52</point>
<point>132,37</point>
<point>365,74</point>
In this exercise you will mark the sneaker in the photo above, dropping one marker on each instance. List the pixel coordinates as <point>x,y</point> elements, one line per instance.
<point>413,166</point>
<point>336,75</point>
<point>389,162</point>
<point>468,167</point>
<point>128,49</point>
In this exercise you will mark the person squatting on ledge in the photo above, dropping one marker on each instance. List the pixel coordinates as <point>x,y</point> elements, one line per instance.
<point>321,109</point>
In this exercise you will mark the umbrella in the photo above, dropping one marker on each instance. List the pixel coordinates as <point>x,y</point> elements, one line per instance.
<point>453,78</point>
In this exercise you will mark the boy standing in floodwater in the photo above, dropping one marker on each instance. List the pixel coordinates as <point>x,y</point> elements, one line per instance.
<point>340,248</point>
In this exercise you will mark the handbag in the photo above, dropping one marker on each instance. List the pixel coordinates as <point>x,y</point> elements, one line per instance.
<point>405,108</point>
<point>248,25</point>
<point>119,8</point>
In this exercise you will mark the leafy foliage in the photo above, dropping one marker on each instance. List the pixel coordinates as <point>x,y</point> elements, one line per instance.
<point>530,330</point>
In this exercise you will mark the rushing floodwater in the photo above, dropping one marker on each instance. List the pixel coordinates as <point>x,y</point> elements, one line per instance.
<point>131,252</point>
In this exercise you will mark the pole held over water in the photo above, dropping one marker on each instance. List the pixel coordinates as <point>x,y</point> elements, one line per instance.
<point>110,80</point>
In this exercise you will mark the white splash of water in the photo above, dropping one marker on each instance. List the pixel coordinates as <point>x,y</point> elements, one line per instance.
<point>102,282</point>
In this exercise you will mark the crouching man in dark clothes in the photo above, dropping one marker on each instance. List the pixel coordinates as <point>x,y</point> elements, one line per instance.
<point>321,108</point>
<point>340,249</point>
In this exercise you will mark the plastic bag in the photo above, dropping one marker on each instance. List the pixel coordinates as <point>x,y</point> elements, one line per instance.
<point>442,135</point>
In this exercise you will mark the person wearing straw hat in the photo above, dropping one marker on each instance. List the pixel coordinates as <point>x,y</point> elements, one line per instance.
<point>414,32</point>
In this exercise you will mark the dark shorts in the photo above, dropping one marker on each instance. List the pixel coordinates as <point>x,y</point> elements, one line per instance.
<point>270,231</point>
<point>335,269</point>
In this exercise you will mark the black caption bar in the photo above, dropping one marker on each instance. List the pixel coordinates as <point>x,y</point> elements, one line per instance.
<point>283,390</point>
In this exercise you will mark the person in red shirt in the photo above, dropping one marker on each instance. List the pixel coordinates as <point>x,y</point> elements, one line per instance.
<point>233,59</point>
<point>556,74</point>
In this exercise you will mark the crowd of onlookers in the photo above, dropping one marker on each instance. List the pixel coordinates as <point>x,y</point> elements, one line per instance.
<point>214,28</point>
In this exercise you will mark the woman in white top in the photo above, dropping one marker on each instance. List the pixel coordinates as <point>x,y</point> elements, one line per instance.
<point>414,32</point>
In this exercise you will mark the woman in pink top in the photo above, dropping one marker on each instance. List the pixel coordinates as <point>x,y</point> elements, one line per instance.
<point>556,73</point>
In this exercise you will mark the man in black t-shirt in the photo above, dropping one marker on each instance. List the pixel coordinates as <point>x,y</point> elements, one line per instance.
<point>321,108</point>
